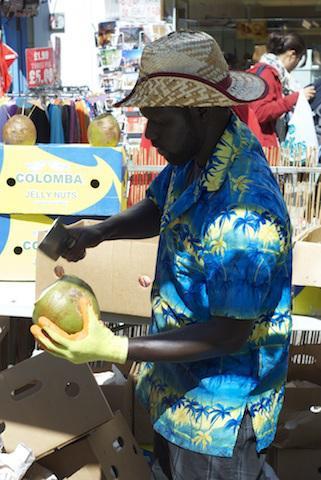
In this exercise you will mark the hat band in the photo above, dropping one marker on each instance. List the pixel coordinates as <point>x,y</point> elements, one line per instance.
<point>223,84</point>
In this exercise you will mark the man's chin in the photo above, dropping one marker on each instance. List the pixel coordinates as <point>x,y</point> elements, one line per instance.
<point>171,158</point>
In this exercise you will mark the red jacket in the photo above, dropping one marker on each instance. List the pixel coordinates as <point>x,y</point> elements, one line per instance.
<point>273,106</point>
<point>246,114</point>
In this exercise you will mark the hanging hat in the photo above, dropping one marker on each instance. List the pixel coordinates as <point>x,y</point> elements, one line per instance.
<point>188,69</point>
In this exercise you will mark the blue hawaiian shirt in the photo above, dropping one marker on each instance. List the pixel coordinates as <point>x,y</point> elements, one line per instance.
<point>225,250</point>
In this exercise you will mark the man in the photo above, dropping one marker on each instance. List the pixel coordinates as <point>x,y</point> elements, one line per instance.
<point>216,356</point>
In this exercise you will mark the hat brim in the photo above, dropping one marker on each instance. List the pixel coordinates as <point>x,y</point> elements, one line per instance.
<point>180,90</point>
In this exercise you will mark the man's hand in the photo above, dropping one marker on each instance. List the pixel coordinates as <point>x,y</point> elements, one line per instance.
<point>86,237</point>
<point>94,342</point>
<point>139,221</point>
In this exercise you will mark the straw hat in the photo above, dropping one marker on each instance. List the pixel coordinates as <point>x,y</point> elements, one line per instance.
<point>188,69</point>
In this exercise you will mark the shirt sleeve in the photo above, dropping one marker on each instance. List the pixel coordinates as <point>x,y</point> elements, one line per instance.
<point>245,263</point>
<point>157,191</point>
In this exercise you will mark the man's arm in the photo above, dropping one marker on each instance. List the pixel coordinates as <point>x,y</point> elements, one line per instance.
<point>140,221</point>
<point>220,336</point>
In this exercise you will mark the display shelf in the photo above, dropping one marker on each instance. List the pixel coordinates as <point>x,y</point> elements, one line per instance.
<point>291,169</point>
<point>278,170</point>
<point>145,168</point>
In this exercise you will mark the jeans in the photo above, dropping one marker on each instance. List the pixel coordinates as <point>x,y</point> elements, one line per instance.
<point>176,463</point>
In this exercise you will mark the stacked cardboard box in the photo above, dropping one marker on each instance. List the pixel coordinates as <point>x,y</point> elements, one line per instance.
<point>122,397</point>
<point>297,452</point>
<point>57,410</point>
<point>37,183</point>
<point>307,273</point>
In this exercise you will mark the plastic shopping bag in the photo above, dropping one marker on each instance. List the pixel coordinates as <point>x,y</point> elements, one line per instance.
<point>301,139</point>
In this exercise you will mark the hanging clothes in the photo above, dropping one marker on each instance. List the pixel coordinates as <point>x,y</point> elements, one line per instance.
<point>56,128</point>
<point>83,117</point>
<point>74,132</point>
<point>66,122</point>
<point>41,121</point>
<point>12,109</point>
<point>57,119</point>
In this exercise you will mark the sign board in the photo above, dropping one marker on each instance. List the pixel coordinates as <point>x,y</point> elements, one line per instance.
<point>149,10</point>
<point>62,180</point>
<point>252,31</point>
<point>40,67</point>
<point>57,22</point>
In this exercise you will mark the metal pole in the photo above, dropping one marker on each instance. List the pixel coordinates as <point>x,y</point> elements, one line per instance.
<point>174,15</point>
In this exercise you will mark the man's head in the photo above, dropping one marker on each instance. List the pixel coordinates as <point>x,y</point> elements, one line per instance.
<point>180,133</point>
<point>188,69</point>
<point>184,81</point>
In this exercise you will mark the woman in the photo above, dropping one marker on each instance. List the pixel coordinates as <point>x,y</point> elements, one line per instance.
<point>284,52</point>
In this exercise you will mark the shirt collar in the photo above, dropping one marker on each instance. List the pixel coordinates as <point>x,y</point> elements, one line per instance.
<point>212,177</point>
<point>223,156</point>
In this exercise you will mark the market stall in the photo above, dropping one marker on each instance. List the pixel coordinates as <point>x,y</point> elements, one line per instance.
<point>60,174</point>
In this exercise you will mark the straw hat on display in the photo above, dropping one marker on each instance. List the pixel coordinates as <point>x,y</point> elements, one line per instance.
<point>188,69</point>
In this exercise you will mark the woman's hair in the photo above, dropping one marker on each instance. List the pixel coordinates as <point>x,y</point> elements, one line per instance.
<point>279,43</point>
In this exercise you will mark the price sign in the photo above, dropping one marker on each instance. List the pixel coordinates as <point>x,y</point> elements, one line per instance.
<point>40,67</point>
<point>150,10</point>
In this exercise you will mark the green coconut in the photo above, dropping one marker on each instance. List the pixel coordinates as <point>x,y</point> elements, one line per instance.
<point>60,303</point>
<point>104,131</point>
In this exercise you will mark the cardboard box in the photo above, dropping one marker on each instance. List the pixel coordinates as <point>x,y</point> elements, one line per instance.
<point>142,426</point>
<point>307,274</point>
<point>118,452</point>
<point>107,453</point>
<point>307,301</point>
<point>300,418</point>
<point>18,245</point>
<point>296,464</point>
<point>73,461</point>
<point>112,270</point>
<point>41,180</point>
<point>307,259</point>
<point>143,429</point>
<point>47,402</point>
<point>62,180</point>
<point>121,397</point>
